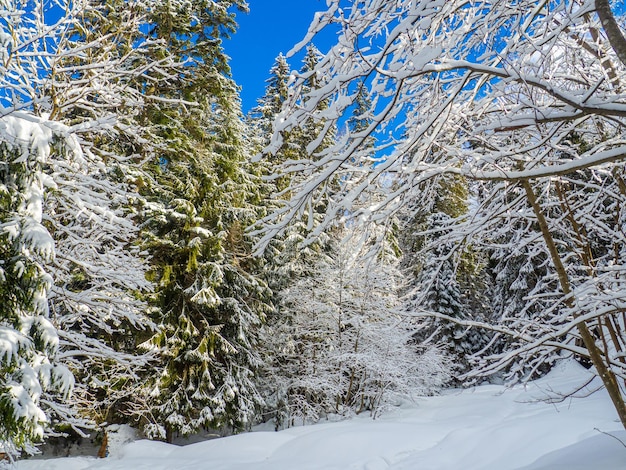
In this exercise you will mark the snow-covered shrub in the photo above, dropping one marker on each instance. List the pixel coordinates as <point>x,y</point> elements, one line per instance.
<point>339,346</point>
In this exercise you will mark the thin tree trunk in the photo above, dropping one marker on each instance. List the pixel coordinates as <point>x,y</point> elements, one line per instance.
<point>611,28</point>
<point>600,363</point>
<point>586,256</point>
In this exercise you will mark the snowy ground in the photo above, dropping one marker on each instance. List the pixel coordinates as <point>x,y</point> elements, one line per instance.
<point>484,428</point>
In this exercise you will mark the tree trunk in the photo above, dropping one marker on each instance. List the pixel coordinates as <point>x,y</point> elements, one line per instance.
<point>611,28</point>
<point>595,354</point>
<point>103,451</point>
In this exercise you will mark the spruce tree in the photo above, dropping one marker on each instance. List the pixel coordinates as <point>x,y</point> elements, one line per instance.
<point>287,256</point>
<point>29,365</point>
<point>439,290</point>
<point>445,280</point>
<point>94,84</point>
<point>270,104</point>
<point>199,199</point>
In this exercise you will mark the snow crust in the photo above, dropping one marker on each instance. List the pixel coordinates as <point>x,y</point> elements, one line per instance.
<point>487,428</point>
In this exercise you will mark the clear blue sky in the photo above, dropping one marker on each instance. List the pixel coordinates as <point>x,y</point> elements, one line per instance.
<point>271,27</point>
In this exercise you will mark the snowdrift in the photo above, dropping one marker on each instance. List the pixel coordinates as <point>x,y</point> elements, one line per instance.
<point>532,427</point>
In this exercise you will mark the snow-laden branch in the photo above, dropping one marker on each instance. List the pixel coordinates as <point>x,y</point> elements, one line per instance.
<point>455,88</point>
<point>520,104</point>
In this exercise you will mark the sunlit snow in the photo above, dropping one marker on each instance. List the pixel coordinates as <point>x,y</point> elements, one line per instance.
<point>487,427</point>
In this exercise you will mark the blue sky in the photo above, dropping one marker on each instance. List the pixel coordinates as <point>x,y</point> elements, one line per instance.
<point>271,27</point>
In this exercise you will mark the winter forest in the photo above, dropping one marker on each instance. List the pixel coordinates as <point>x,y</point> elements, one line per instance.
<point>436,200</point>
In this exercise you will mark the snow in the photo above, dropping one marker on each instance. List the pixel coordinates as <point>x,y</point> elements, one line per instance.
<point>11,341</point>
<point>487,427</point>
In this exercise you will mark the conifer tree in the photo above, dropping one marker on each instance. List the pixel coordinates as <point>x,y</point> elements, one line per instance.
<point>444,280</point>
<point>29,365</point>
<point>270,104</point>
<point>438,290</point>
<point>198,200</point>
<point>494,103</point>
<point>94,84</point>
<point>359,121</point>
<point>289,256</point>
<point>259,125</point>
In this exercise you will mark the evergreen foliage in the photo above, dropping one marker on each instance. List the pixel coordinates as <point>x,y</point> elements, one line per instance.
<point>199,199</point>
<point>29,365</point>
<point>91,84</point>
<point>288,257</point>
<point>153,268</point>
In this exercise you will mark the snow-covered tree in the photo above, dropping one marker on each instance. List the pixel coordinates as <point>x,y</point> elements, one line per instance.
<point>29,362</point>
<point>527,95</point>
<point>83,64</point>
<point>145,91</point>
<point>269,105</point>
<point>285,259</point>
<point>442,277</point>
<point>339,345</point>
<point>69,86</point>
<point>439,289</point>
<point>96,298</point>
<point>197,199</point>
<point>93,81</point>
<point>521,287</point>
<point>259,125</point>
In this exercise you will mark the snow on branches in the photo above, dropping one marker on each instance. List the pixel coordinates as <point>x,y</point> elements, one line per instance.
<point>29,361</point>
<point>338,345</point>
<point>526,102</point>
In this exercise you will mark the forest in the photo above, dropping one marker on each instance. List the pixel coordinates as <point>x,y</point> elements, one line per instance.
<point>437,200</point>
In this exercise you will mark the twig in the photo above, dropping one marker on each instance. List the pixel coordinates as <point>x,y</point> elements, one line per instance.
<point>611,435</point>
